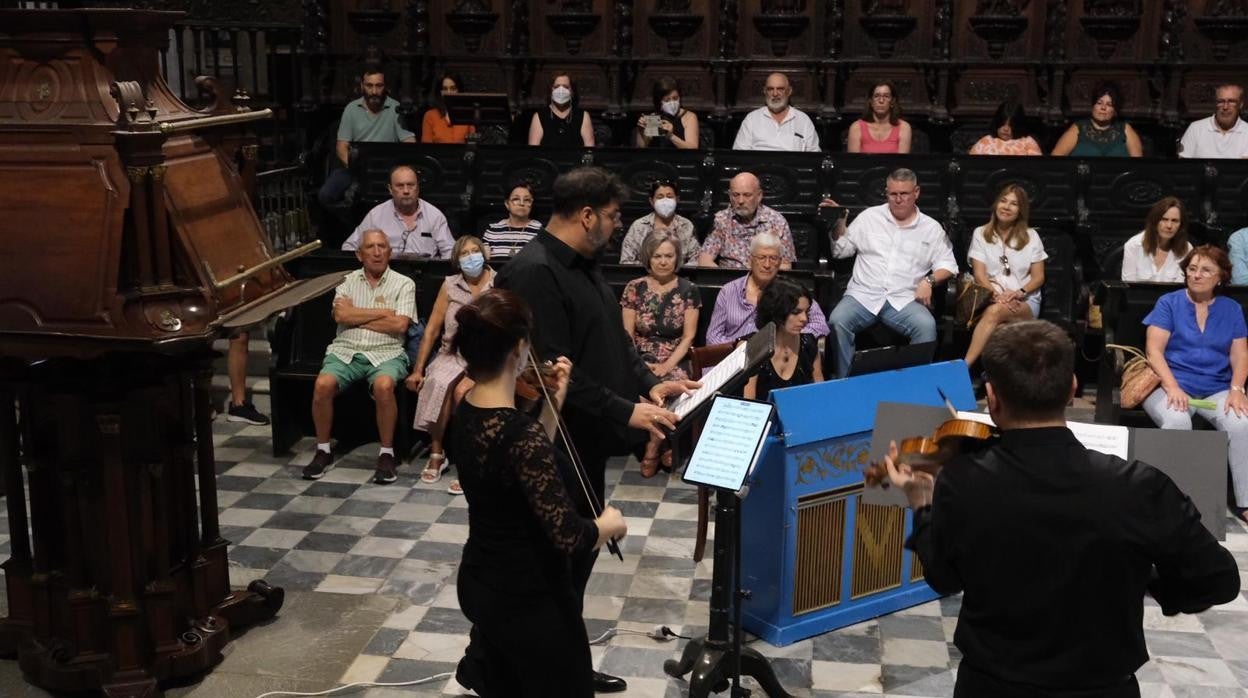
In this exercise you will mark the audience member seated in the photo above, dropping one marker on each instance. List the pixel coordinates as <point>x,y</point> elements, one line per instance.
<point>661,309</point>
<point>1154,253</point>
<point>902,254</point>
<point>436,126</point>
<point>796,359</point>
<point>1103,134</point>
<point>678,127</point>
<point>733,317</point>
<point>1007,256</point>
<point>1196,344</point>
<point>881,128</point>
<point>778,125</point>
<point>413,227</point>
<point>562,124</point>
<point>1238,245</point>
<point>664,196</point>
<point>1008,134</point>
<point>728,244</point>
<point>1223,135</point>
<point>373,117</point>
<point>373,307</point>
<point>472,278</point>
<point>506,237</point>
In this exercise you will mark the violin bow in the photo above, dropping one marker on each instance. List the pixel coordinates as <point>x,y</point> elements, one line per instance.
<point>582,477</point>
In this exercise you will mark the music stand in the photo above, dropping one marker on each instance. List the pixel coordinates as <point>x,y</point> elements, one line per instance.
<point>717,660</point>
<point>477,109</point>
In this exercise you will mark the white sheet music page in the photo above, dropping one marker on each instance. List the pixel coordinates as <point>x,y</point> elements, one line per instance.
<point>712,381</point>
<point>730,443</point>
<point>1107,438</point>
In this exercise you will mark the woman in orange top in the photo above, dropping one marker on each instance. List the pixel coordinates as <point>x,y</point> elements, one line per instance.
<point>436,126</point>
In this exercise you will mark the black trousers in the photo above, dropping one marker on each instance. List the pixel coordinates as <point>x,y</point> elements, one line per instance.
<point>973,683</point>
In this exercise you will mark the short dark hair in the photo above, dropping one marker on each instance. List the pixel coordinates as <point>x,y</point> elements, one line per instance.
<point>586,186</point>
<point>1029,365</point>
<point>489,328</point>
<point>1012,113</point>
<point>778,301</point>
<point>521,184</point>
<point>654,186</point>
<point>662,86</point>
<point>1108,89</point>
<point>372,69</point>
<point>1214,254</point>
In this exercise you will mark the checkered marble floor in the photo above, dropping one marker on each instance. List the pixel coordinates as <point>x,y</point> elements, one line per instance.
<point>345,535</point>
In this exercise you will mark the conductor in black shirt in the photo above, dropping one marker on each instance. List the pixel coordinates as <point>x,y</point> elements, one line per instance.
<point>1054,546</point>
<point>613,399</point>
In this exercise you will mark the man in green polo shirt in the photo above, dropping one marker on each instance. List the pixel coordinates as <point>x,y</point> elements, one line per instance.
<point>373,307</point>
<point>373,118</point>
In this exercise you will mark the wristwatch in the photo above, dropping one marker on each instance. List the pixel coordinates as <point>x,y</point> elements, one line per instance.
<point>931,279</point>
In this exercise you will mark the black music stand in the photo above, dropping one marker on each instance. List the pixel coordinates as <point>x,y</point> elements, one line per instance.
<point>477,109</point>
<point>718,660</point>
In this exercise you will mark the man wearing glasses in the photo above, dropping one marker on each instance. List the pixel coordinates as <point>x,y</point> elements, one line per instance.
<point>902,254</point>
<point>1223,135</point>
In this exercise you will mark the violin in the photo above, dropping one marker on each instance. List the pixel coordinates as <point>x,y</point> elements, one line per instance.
<point>930,453</point>
<point>539,379</point>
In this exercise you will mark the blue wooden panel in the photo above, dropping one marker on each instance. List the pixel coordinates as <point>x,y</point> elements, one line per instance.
<point>838,407</point>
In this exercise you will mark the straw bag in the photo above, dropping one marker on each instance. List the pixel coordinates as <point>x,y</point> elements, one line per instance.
<point>972,300</point>
<point>1138,378</point>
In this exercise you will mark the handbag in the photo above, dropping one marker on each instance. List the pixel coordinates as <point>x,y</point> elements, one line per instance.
<point>972,299</point>
<point>1138,378</point>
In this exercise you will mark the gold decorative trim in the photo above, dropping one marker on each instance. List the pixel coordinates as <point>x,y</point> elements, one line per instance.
<point>137,174</point>
<point>820,556</point>
<point>877,549</point>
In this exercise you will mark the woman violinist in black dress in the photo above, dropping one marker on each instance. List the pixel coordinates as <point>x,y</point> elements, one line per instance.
<point>514,584</point>
<point>796,360</point>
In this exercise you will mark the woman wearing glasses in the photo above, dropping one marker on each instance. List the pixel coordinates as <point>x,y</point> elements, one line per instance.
<point>1196,343</point>
<point>506,237</point>
<point>1007,256</point>
<point>881,128</point>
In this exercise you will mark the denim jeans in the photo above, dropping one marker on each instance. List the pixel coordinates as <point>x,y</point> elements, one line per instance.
<point>335,186</point>
<point>849,318</point>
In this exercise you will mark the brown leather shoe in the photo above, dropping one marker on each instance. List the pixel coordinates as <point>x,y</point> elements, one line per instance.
<point>387,469</point>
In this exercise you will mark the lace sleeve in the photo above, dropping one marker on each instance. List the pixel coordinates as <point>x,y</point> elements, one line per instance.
<point>534,462</point>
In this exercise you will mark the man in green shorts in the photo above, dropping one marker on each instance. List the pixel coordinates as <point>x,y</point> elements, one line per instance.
<point>373,307</point>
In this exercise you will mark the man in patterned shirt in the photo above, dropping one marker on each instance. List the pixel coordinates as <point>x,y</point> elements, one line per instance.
<point>728,244</point>
<point>373,307</point>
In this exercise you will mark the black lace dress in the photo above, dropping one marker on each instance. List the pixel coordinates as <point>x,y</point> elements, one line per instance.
<point>514,580</point>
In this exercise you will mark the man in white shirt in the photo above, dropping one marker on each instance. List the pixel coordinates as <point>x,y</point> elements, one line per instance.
<point>413,227</point>
<point>1223,135</point>
<point>901,255</point>
<point>777,126</point>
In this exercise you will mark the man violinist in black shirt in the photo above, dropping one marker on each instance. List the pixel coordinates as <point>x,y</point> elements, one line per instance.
<point>1054,546</point>
<point>613,398</point>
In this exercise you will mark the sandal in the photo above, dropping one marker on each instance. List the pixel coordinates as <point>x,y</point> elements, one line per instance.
<point>455,488</point>
<point>434,468</point>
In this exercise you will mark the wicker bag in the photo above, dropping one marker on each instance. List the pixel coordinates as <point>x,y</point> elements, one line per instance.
<point>1138,378</point>
<point>972,300</point>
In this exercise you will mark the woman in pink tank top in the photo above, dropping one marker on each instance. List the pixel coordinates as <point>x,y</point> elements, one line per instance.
<point>882,111</point>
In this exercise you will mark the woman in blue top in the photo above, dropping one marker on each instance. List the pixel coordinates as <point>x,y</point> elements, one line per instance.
<point>1196,344</point>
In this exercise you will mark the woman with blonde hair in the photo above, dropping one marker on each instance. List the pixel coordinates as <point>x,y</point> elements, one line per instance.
<point>1007,256</point>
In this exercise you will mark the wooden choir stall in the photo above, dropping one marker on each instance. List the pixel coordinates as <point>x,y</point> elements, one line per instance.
<point>129,244</point>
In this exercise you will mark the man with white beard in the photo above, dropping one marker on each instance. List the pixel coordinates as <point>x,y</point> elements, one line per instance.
<point>778,125</point>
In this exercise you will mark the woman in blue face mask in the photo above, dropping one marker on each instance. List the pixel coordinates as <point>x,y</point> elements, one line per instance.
<point>445,374</point>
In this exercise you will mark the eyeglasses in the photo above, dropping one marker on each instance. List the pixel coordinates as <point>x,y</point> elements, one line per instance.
<point>773,258</point>
<point>523,202</point>
<point>1005,264</point>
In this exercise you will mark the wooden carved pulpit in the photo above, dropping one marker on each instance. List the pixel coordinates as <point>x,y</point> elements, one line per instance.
<point>129,244</point>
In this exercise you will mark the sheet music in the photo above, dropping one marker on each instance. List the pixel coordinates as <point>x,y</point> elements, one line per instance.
<point>712,381</point>
<point>730,443</point>
<point>1107,438</point>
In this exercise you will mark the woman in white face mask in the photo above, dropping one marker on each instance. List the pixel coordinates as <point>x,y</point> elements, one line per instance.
<point>678,127</point>
<point>444,376</point>
<point>664,196</point>
<point>562,124</point>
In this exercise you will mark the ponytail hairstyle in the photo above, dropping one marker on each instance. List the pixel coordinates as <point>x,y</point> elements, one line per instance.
<point>490,327</point>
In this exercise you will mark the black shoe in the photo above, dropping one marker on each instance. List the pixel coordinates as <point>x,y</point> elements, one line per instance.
<point>245,412</point>
<point>321,463</point>
<point>606,683</point>
<point>387,469</point>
